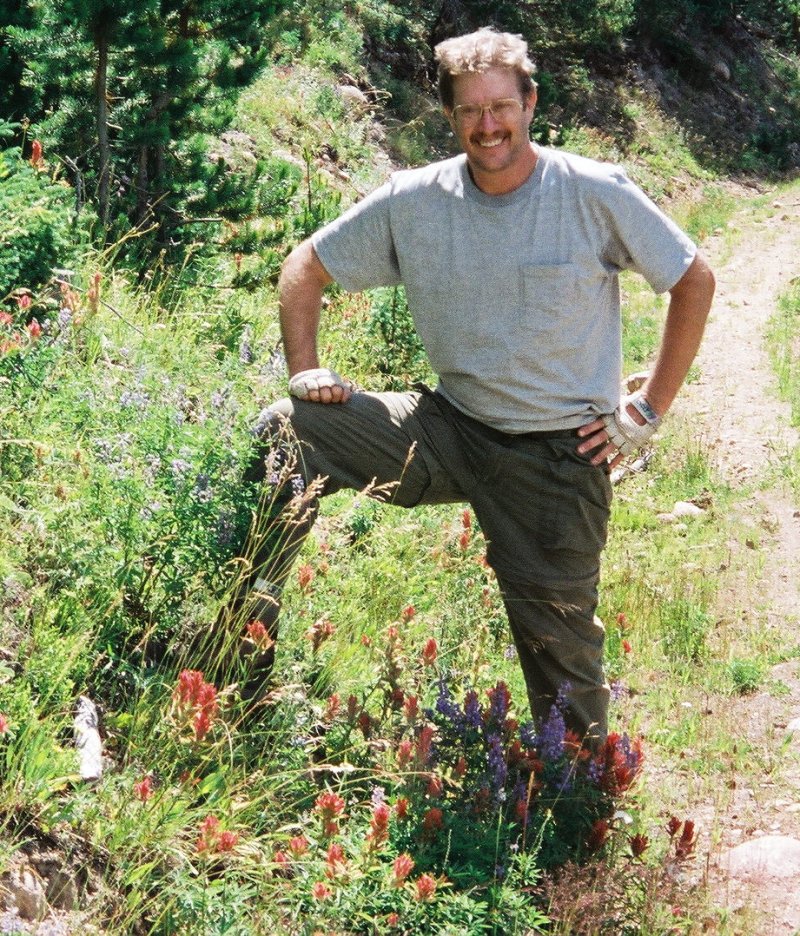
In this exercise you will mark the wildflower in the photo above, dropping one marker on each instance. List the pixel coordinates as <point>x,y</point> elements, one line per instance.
<point>685,844</point>
<point>3,723</point>
<point>411,707</point>
<point>36,154</point>
<point>319,632</point>
<point>93,292</point>
<point>143,790</point>
<point>401,808</point>
<point>397,698</point>
<point>335,861</point>
<point>281,859</point>
<point>5,318</point>
<point>466,519</point>
<point>365,724</point>
<point>435,787</point>
<point>405,750</point>
<point>379,825</point>
<point>227,841</point>
<point>460,768</point>
<point>402,867</point>
<point>430,651</point>
<point>353,707</point>
<point>34,329</point>
<point>393,920</point>
<point>598,835</point>
<point>258,633</point>
<point>673,826</point>
<point>425,887</point>
<point>481,800</point>
<point>330,806</point>
<point>450,709</point>
<point>332,708</point>
<point>237,259</point>
<point>198,699</point>
<point>499,704</point>
<point>551,738</point>
<point>305,575</point>
<point>498,770</point>
<point>366,640</point>
<point>432,821</point>
<point>621,763</point>
<point>622,621</point>
<point>407,613</point>
<point>298,846</point>
<point>639,844</point>
<point>424,743</point>
<point>209,834</point>
<point>463,540</point>
<point>24,302</point>
<point>472,709</point>
<point>321,891</point>
<point>626,646</point>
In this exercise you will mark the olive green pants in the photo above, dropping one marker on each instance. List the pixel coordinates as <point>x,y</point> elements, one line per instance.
<point>542,508</point>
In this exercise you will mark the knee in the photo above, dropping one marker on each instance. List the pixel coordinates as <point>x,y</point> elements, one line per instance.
<point>273,420</point>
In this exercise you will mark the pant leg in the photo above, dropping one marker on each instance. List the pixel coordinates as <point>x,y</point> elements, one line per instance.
<point>381,443</point>
<point>545,516</point>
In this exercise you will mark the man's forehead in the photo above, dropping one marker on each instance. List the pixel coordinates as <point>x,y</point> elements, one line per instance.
<point>490,79</point>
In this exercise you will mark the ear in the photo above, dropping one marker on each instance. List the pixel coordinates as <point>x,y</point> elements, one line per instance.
<point>530,104</point>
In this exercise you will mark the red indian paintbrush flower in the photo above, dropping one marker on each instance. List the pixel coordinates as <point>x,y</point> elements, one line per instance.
<point>425,887</point>
<point>402,867</point>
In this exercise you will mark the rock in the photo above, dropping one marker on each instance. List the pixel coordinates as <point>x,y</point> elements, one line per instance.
<point>720,70</point>
<point>353,97</point>
<point>23,889</point>
<point>685,509</point>
<point>762,859</point>
<point>794,726</point>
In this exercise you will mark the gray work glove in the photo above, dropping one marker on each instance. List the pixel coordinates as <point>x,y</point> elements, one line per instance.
<point>624,431</point>
<point>316,378</point>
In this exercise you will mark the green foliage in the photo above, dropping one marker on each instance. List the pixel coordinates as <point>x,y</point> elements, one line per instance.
<point>402,357</point>
<point>39,229</point>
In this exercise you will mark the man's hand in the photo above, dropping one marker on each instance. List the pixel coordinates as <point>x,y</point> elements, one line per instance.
<point>618,434</point>
<point>320,385</point>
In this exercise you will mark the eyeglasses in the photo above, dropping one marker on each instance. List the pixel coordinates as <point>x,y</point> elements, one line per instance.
<point>504,109</point>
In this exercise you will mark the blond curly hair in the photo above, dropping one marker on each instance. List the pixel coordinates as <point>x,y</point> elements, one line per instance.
<point>479,51</point>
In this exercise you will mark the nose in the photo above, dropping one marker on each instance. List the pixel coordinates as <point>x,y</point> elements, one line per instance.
<point>488,120</point>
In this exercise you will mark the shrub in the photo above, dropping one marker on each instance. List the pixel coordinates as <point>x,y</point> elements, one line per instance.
<point>38,224</point>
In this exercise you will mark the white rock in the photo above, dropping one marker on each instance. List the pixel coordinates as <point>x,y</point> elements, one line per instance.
<point>794,726</point>
<point>685,509</point>
<point>772,856</point>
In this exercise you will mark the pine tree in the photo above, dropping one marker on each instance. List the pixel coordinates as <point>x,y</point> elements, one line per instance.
<point>122,85</point>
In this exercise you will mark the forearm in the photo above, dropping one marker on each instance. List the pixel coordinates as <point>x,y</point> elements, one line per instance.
<point>302,281</point>
<point>690,302</point>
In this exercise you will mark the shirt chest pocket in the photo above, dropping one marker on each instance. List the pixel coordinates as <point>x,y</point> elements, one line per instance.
<point>549,290</point>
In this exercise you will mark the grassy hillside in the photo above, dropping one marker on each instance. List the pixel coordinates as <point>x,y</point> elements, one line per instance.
<point>391,783</point>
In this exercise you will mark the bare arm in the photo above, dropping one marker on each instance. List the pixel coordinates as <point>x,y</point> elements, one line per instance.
<point>690,303</point>
<point>302,282</point>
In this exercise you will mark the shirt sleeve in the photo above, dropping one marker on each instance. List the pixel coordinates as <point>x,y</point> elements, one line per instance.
<point>357,249</point>
<point>646,240</point>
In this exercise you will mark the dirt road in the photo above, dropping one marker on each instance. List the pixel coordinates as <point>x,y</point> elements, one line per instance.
<point>734,409</point>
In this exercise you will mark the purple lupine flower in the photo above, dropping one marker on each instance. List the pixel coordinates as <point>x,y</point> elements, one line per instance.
<point>496,759</point>
<point>472,709</point>
<point>527,735</point>
<point>500,700</point>
<point>446,706</point>
<point>551,737</point>
<point>618,689</point>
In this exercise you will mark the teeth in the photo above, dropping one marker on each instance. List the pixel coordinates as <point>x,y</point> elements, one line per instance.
<point>490,143</point>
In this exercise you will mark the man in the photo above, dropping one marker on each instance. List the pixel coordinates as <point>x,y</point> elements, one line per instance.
<point>509,254</point>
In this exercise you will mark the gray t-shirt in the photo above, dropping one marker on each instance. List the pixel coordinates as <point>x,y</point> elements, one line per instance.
<point>515,297</point>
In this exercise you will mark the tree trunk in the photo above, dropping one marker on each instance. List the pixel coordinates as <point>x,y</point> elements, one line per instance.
<point>142,186</point>
<point>101,97</point>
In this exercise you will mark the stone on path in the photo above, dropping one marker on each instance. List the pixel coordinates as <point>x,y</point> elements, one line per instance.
<point>763,859</point>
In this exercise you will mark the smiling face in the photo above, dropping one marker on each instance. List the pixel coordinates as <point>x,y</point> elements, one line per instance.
<point>499,152</point>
